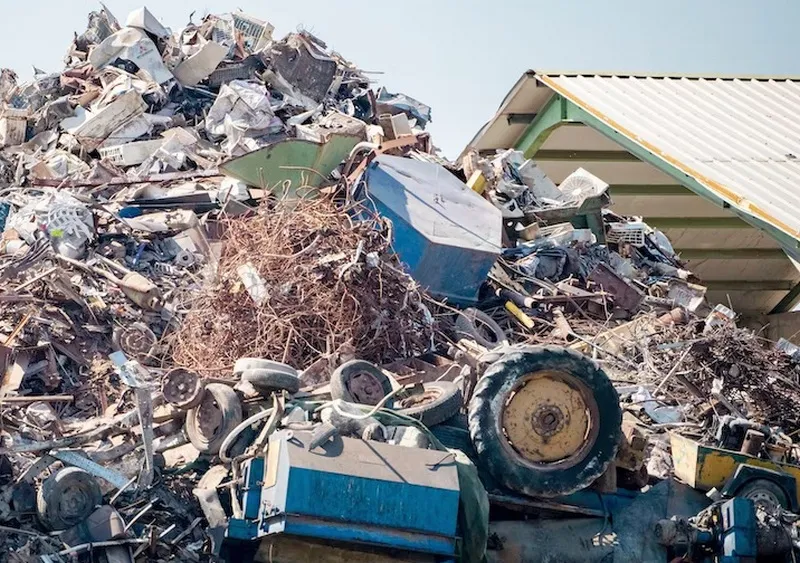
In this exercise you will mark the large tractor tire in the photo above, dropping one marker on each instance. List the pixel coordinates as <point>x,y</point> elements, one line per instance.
<point>545,421</point>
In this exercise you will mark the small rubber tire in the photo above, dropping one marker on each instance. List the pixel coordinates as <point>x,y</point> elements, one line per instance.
<point>231,416</point>
<point>268,381</point>
<point>245,364</point>
<point>466,326</point>
<point>764,488</point>
<point>341,377</point>
<point>444,407</point>
<point>68,480</point>
<point>485,413</point>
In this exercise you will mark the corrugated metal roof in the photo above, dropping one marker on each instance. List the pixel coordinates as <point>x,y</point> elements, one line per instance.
<point>739,137</point>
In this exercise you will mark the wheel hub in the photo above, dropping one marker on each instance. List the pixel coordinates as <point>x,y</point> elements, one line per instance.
<point>548,420</point>
<point>74,502</point>
<point>764,498</point>
<point>365,389</point>
<point>182,388</point>
<point>209,417</point>
<point>550,417</point>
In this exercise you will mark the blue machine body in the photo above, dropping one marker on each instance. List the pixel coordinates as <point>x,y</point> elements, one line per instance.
<point>351,491</point>
<point>448,236</point>
<point>738,533</point>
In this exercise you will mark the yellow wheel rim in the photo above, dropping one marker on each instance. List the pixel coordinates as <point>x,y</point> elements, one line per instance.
<point>550,417</point>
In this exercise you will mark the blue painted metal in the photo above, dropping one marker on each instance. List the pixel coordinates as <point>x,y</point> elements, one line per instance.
<point>447,235</point>
<point>739,528</point>
<point>344,532</point>
<point>5,211</point>
<point>351,491</point>
<point>251,493</point>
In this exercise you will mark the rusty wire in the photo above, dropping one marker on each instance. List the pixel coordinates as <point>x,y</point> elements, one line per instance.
<point>325,298</point>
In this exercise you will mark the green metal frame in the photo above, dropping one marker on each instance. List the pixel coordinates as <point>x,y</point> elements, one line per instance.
<point>560,111</point>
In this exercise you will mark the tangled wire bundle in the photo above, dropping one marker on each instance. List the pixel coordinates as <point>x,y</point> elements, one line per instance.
<point>763,382</point>
<point>330,286</point>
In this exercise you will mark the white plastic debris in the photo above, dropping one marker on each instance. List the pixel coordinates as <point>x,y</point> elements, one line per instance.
<point>201,64</point>
<point>144,20</point>
<point>241,110</point>
<point>253,283</point>
<point>134,45</point>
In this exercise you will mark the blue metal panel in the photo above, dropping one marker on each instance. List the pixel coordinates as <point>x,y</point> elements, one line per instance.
<point>252,491</point>
<point>739,529</point>
<point>348,532</point>
<point>241,530</point>
<point>447,235</point>
<point>356,501</point>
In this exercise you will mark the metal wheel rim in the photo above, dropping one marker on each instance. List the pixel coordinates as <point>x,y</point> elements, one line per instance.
<point>367,389</point>
<point>75,501</point>
<point>182,388</point>
<point>550,420</point>
<point>763,497</point>
<point>426,397</point>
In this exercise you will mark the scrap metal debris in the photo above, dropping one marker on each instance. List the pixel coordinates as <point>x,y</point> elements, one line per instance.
<point>220,248</point>
<point>315,285</point>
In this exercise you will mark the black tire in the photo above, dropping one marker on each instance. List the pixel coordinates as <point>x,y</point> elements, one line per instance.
<point>223,398</point>
<point>245,364</point>
<point>343,376</point>
<point>765,491</point>
<point>505,463</point>
<point>445,401</point>
<point>455,438</point>
<point>67,497</point>
<point>480,327</point>
<point>267,381</point>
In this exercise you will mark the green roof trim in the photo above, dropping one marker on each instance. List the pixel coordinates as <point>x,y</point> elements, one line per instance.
<point>560,111</point>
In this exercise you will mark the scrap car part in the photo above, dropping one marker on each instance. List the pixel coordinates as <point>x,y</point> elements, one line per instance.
<point>267,381</point>
<point>476,325</point>
<point>361,382</point>
<point>764,492</point>
<point>731,532</point>
<point>545,422</point>
<point>214,418</point>
<point>136,341</point>
<point>182,388</point>
<point>207,496</point>
<point>352,492</point>
<point>244,364</point>
<point>437,403</point>
<point>67,498</point>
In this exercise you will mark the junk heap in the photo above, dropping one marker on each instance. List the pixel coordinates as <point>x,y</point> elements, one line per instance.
<point>220,248</point>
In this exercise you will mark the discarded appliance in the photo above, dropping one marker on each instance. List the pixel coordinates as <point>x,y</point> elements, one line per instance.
<point>351,491</point>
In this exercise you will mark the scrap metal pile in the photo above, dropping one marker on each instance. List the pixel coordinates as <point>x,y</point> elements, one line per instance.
<point>618,292</point>
<point>225,255</point>
<point>150,222</point>
<point>300,284</point>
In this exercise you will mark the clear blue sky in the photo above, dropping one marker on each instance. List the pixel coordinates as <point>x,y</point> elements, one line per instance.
<point>461,57</point>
